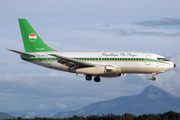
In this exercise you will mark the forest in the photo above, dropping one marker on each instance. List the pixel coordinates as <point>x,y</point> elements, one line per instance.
<point>165,116</point>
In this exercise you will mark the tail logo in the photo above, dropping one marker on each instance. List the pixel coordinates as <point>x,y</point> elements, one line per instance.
<point>32,37</point>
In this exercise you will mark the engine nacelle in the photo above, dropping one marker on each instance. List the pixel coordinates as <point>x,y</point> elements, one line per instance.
<point>92,70</point>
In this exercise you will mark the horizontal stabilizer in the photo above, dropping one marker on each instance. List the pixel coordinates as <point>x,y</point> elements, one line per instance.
<point>22,53</point>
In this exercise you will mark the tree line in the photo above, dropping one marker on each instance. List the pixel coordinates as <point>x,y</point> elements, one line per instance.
<point>165,116</point>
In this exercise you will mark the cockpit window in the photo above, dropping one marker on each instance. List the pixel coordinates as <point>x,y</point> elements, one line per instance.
<point>163,59</point>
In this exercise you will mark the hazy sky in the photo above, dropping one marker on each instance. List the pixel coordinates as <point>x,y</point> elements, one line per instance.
<point>116,25</point>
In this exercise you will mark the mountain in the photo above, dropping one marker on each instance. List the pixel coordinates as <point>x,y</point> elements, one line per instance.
<point>34,113</point>
<point>151,100</point>
<point>40,113</point>
<point>5,116</point>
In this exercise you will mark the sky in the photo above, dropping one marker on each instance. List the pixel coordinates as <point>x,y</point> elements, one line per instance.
<point>117,25</point>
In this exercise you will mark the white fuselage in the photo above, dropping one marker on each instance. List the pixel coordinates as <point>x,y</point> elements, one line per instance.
<point>116,63</point>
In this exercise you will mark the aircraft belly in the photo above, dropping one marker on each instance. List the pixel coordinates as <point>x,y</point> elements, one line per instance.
<point>140,70</point>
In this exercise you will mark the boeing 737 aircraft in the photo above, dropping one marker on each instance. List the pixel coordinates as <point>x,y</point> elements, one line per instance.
<point>97,64</point>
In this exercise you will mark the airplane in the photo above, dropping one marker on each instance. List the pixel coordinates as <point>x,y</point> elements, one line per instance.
<point>91,64</point>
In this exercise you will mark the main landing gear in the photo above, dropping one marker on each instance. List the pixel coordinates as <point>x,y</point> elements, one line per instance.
<point>96,79</point>
<point>88,77</point>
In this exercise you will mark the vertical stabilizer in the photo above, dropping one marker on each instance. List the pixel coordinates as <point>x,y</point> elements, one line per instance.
<point>32,41</point>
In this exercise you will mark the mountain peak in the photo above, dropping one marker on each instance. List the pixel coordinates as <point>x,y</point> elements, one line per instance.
<point>153,92</point>
<point>151,87</point>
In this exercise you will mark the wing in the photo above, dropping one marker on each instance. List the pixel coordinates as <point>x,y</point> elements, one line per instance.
<point>72,63</point>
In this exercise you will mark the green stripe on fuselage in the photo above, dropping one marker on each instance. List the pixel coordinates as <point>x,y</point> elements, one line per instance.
<point>94,59</point>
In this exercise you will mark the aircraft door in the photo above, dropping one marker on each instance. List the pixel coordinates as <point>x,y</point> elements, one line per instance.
<point>148,60</point>
<point>100,59</point>
<point>48,60</point>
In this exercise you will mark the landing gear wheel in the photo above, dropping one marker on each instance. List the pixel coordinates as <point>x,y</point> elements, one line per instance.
<point>97,79</point>
<point>88,77</point>
<point>153,78</point>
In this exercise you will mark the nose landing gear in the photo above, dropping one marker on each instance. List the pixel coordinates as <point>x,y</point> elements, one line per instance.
<point>153,76</point>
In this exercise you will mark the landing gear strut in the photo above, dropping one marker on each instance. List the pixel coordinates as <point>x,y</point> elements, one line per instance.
<point>153,76</point>
<point>88,77</point>
<point>97,79</point>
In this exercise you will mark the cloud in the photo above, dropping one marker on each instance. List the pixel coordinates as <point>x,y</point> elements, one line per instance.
<point>168,22</point>
<point>42,105</point>
<point>131,32</point>
<point>60,105</point>
<point>32,113</point>
<point>42,91</point>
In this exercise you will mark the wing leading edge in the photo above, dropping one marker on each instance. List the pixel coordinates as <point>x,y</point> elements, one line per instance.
<point>72,63</point>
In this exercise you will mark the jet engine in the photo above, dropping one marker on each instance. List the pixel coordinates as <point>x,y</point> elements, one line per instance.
<point>92,70</point>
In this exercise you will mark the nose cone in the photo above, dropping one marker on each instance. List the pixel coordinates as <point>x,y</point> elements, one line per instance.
<point>174,65</point>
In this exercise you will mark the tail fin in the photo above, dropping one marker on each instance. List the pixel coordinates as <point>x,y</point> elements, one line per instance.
<point>32,41</point>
